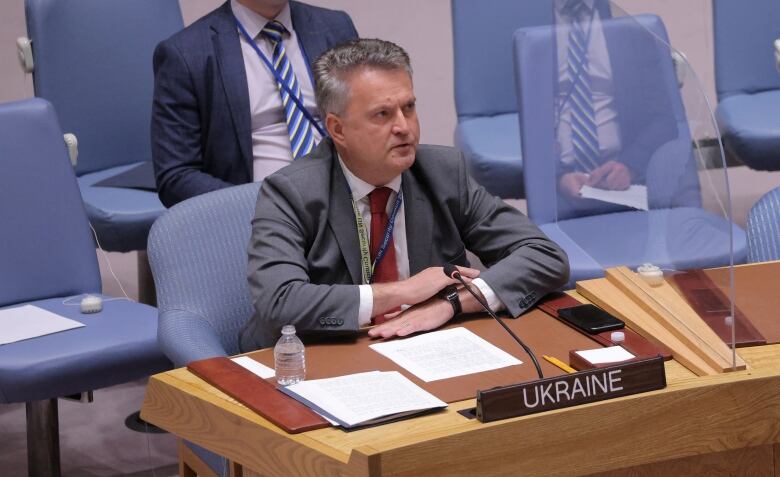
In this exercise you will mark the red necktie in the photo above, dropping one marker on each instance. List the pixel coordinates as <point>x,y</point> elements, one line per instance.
<point>386,270</point>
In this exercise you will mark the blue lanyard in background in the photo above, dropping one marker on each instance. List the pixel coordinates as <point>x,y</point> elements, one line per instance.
<point>281,82</point>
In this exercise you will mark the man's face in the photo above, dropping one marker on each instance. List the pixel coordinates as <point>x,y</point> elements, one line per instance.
<point>378,132</point>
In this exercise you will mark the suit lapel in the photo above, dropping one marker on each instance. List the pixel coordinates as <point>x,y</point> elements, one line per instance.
<point>311,34</point>
<point>341,219</point>
<point>227,46</point>
<point>419,223</point>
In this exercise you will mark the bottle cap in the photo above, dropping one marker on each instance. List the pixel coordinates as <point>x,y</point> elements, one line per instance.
<point>617,337</point>
<point>288,330</point>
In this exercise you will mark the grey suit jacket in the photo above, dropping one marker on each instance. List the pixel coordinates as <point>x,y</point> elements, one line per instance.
<point>304,257</point>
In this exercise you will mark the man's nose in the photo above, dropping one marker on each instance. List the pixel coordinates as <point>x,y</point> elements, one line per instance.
<point>400,123</point>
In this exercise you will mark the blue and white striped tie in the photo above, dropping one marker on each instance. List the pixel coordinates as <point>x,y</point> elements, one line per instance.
<point>298,125</point>
<point>585,140</point>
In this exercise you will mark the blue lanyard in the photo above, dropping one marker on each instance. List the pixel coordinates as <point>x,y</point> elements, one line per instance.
<point>365,257</point>
<point>279,80</point>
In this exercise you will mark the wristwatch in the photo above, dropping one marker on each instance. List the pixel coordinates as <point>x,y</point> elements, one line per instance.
<point>450,294</point>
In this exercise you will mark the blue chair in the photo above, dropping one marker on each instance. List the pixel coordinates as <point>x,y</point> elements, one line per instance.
<point>198,255</point>
<point>485,98</point>
<point>93,62</point>
<point>48,255</point>
<point>747,80</point>
<point>675,233</point>
<point>763,228</point>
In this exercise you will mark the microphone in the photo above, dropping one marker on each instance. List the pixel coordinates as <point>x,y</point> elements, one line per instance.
<point>452,271</point>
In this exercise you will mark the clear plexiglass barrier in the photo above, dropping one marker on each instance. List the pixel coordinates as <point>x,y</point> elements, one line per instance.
<point>622,156</point>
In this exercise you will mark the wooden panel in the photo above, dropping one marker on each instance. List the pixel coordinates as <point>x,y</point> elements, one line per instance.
<point>607,296</point>
<point>244,437</point>
<point>621,433</point>
<point>752,461</point>
<point>676,317</point>
<point>693,416</point>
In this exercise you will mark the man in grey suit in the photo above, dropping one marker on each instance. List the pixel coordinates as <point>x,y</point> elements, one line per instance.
<point>360,228</point>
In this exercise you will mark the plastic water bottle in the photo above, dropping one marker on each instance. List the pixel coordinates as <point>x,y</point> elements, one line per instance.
<point>289,358</point>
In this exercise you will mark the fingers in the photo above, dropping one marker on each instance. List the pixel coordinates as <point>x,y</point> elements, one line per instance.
<point>467,272</point>
<point>397,327</point>
<point>617,179</point>
<point>597,174</point>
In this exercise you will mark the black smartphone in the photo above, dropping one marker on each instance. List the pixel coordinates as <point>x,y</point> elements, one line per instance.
<point>590,319</point>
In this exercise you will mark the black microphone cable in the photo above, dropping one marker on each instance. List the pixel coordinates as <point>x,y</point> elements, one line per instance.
<point>451,271</point>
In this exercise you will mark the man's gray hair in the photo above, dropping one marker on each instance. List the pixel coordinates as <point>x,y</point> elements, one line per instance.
<point>332,67</point>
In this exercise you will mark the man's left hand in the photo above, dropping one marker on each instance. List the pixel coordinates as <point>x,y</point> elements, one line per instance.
<point>430,314</point>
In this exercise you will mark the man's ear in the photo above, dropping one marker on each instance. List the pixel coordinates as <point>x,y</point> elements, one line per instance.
<point>335,127</point>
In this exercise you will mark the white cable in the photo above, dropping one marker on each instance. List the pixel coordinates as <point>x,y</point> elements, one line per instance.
<point>108,262</point>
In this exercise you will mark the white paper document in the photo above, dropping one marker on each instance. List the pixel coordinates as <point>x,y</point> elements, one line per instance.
<point>29,321</point>
<point>357,398</point>
<point>635,196</point>
<point>610,354</point>
<point>445,354</point>
<point>255,367</point>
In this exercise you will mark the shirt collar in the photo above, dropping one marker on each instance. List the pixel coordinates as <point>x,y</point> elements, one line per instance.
<point>361,188</point>
<point>254,22</point>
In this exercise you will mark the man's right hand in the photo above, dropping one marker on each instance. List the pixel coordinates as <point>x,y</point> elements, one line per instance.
<point>571,183</point>
<point>415,289</point>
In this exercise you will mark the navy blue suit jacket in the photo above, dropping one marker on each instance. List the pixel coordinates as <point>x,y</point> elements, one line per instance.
<point>201,125</point>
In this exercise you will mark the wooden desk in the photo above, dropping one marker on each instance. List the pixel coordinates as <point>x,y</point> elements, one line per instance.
<point>727,424</point>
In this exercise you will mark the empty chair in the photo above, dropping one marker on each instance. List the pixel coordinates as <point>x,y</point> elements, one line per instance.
<point>93,62</point>
<point>763,228</point>
<point>485,97</point>
<point>653,142</point>
<point>47,259</point>
<point>198,255</point>
<point>747,80</point>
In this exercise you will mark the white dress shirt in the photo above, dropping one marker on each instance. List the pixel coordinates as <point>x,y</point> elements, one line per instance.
<point>270,138</point>
<point>360,190</point>
<point>602,87</point>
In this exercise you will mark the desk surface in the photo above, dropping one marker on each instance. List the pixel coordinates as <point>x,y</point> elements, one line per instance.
<point>693,416</point>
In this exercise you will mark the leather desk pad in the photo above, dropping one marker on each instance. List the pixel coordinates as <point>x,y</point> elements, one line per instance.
<point>542,333</point>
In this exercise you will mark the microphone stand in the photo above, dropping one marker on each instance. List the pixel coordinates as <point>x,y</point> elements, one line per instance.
<point>453,272</point>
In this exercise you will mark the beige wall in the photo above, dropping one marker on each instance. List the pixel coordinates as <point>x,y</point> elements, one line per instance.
<point>423,27</point>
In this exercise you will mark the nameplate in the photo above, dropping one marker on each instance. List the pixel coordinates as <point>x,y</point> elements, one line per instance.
<point>571,389</point>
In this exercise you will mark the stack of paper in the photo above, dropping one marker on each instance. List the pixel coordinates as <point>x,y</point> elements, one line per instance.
<point>363,398</point>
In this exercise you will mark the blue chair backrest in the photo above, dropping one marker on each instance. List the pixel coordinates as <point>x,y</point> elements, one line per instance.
<point>198,253</point>
<point>744,45</point>
<point>644,77</point>
<point>46,247</point>
<point>763,228</point>
<point>482,44</point>
<point>93,61</point>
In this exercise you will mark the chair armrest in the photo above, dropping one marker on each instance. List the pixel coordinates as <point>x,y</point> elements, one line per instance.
<point>185,336</point>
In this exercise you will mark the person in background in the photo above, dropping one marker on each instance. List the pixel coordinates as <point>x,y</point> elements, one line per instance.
<point>233,94</point>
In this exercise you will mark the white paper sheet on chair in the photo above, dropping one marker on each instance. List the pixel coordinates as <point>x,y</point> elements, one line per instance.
<point>635,196</point>
<point>29,321</point>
